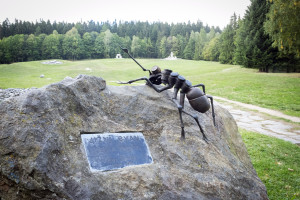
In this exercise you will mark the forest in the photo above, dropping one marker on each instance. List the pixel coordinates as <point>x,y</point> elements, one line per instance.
<point>266,38</point>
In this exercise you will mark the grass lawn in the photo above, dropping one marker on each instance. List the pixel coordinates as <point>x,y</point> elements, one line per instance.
<point>280,91</point>
<point>277,164</point>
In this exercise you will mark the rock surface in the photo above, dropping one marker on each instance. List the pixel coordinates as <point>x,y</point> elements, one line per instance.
<point>42,155</point>
<point>12,92</point>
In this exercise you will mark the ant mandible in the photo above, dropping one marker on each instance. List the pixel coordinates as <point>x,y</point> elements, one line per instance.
<point>197,98</point>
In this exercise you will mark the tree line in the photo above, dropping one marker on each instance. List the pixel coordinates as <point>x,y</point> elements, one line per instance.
<point>266,38</point>
<point>140,29</point>
<point>156,40</point>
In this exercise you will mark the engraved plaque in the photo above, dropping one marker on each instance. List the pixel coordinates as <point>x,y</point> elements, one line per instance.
<point>108,151</point>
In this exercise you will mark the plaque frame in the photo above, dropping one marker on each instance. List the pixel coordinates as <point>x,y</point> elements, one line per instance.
<point>112,151</point>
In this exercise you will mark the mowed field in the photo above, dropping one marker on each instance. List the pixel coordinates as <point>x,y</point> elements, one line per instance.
<point>276,161</point>
<point>279,91</point>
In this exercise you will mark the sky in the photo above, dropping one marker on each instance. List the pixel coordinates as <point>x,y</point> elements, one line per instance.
<point>210,12</point>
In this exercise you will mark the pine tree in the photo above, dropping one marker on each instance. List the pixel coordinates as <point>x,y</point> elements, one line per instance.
<point>227,46</point>
<point>258,51</point>
<point>99,46</point>
<point>162,47</point>
<point>239,42</point>
<point>181,43</point>
<point>150,49</point>
<point>200,41</point>
<point>189,50</point>
<point>175,46</point>
<point>88,43</point>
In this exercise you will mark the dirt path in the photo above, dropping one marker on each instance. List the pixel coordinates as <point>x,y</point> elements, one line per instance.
<point>260,109</point>
<point>262,120</point>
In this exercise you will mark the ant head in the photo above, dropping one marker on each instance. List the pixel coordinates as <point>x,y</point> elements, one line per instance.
<point>155,70</point>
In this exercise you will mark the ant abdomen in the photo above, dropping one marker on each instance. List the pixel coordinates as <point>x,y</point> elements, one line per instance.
<point>198,100</point>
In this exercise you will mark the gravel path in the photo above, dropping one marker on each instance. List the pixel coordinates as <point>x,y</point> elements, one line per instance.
<point>262,120</point>
<point>263,110</point>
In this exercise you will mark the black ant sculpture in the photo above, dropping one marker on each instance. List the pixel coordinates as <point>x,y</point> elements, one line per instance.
<point>197,98</point>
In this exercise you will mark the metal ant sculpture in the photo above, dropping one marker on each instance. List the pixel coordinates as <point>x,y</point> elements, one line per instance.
<point>197,98</point>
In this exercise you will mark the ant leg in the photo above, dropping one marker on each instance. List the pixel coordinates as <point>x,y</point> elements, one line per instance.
<point>182,97</point>
<point>149,83</point>
<point>202,85</point>
<point>175,93</point>
<point>131,81</point>
<point>180,109</point>
<point>212,108</point>
<point>181,101</point>
<point>199,125</point>
<point>180,116</point>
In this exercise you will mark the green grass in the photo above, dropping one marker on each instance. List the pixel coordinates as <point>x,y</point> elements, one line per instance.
<point>280,91</point>
<point>277,164</point>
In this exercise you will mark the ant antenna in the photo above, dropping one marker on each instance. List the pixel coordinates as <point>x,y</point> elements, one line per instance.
<point>126,51</point>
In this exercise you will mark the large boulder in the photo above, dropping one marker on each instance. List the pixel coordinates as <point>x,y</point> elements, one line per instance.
<point>42,155</point>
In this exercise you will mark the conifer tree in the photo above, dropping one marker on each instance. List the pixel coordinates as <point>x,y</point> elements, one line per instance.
<point>88,42</point>
<point>239,42</point>
<point>190,47</point>
<point>258,52</point>
<point>200,42</point>
<point>227,46</point>
<point>99,46</point>
<point>162,47</point>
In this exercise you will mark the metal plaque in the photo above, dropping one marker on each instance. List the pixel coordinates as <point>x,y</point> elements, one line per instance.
<point>108,151</point>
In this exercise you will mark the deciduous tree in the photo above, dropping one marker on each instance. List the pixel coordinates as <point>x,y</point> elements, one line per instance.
<point>71,44</point>
<point>283,25</point>
<point>51,46</point>
<point>32,48</point>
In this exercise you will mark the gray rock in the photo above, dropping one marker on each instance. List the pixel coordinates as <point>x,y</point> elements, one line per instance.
<point>52,62</point>
<point>42,155</point>
<point>12,92</point>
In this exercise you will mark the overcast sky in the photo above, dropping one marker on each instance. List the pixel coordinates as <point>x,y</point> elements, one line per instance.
<point>211,12</point>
